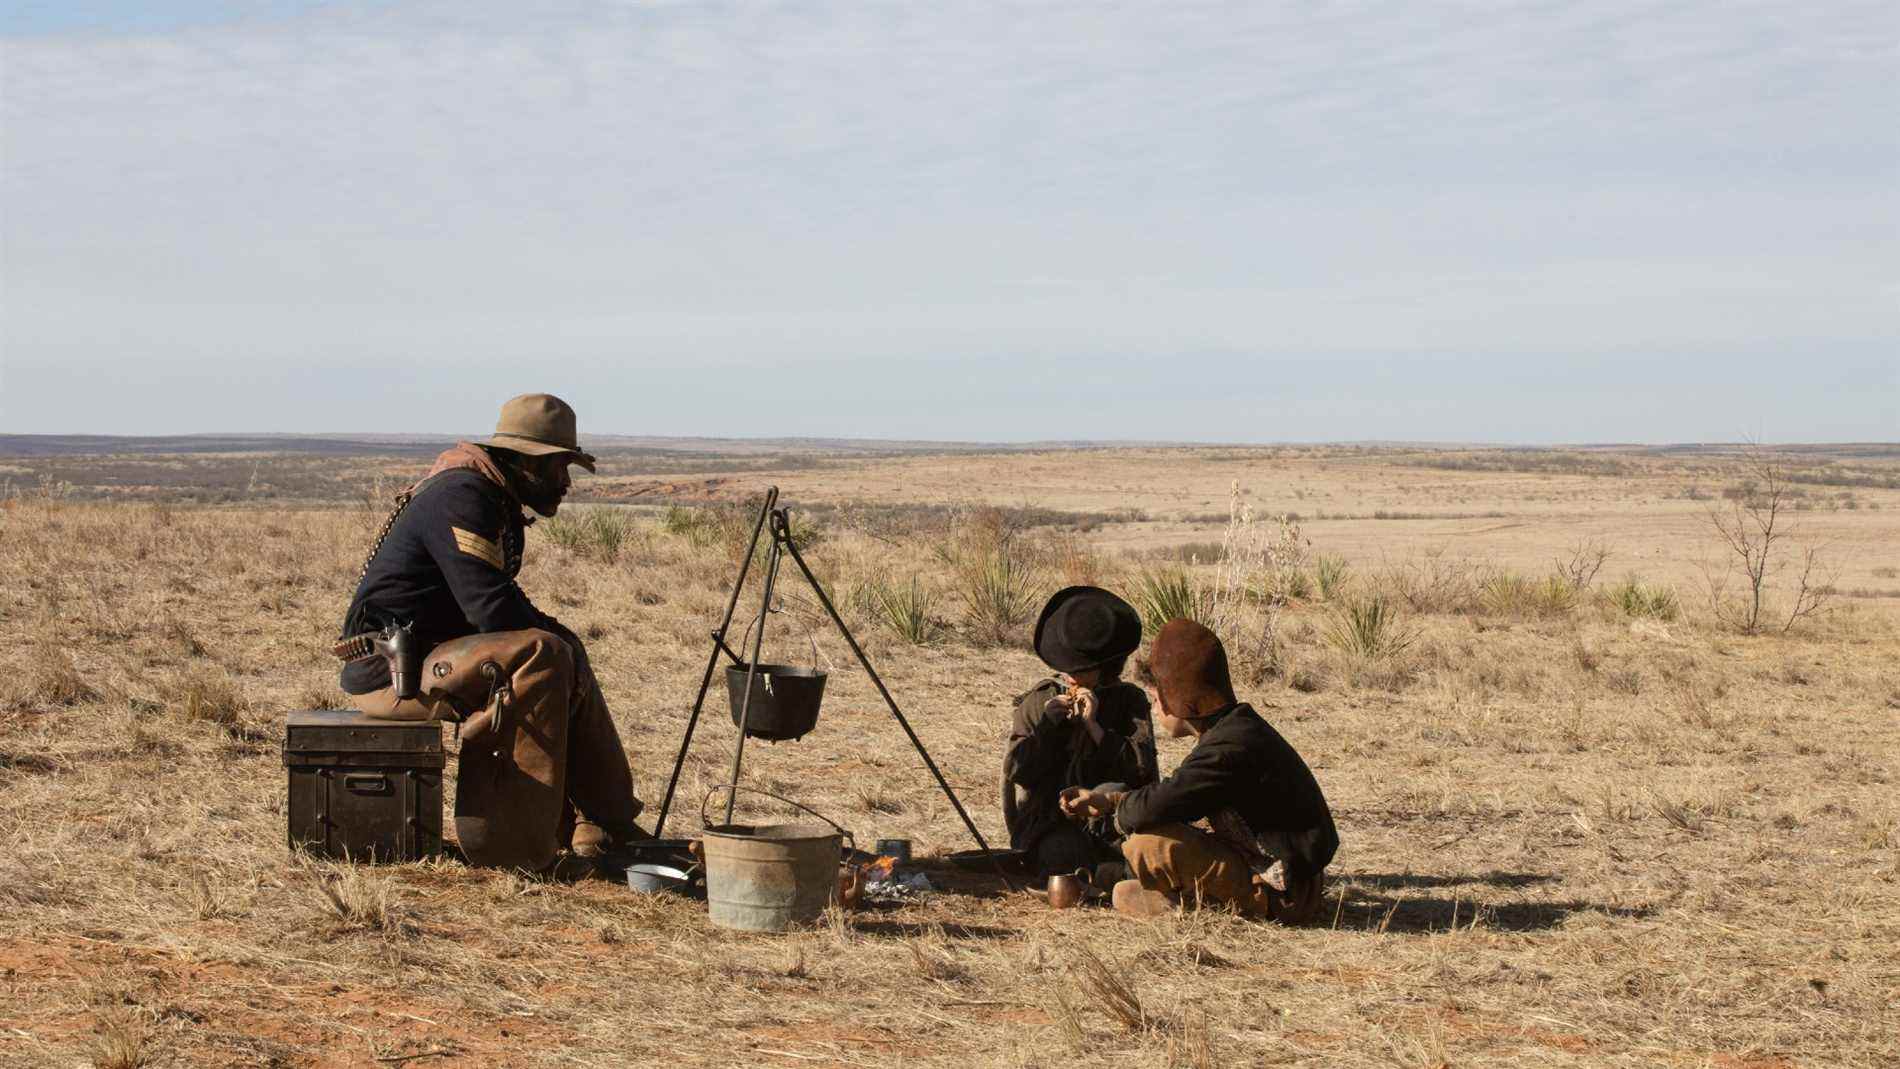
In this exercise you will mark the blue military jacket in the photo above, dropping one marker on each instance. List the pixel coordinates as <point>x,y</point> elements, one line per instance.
<point>447,566</point>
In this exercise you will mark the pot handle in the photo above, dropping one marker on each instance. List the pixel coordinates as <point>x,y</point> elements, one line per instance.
<point>810,637</point>
<point>705,823</point>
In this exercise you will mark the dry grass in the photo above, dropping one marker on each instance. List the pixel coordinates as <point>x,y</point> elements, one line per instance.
<point>123,1041</point>
<point>1572,836</point>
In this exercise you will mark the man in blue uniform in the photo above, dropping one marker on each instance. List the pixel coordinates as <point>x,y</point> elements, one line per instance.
<point>541,766</point>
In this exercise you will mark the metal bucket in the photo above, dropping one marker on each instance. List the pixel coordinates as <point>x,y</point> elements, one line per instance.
<point>772,877</point>
<point>784,700</point>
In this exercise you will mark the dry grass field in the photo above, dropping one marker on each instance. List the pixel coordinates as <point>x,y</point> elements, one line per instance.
<point>1584,821</point>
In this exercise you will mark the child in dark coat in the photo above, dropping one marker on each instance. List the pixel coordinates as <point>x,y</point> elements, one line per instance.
<point>1082,727</point>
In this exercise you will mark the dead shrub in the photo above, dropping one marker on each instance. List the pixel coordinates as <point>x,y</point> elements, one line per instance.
<point>1068,1020</point>
<point>1624,681</point>
<point>123,1040</point>
<point>180,635</point>
<point>1073,561</point>
<point>1191,1042</point>
<point>318,697</point>
<point>934,962</point>
<point>1432,583</point>
<point>1110,990</point>
<point>209,696</point>
<point>1688,812</point>
<point>48,680</point>
<point>878,798</point>
<point>1331,574</point>
<point>1753,530</point>
<point>1306,680</point>
<point>1582,560</point>
<point>354,899</point>
<point>205,901</point>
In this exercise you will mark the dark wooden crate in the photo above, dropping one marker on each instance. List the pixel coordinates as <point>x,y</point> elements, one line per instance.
<point>366,789</point>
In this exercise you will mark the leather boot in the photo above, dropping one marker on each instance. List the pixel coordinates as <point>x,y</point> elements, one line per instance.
<point>599,783</point>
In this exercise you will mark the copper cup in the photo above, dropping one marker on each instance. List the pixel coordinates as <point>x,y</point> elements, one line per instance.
<point>850,886</point>
<point>1067,888</point>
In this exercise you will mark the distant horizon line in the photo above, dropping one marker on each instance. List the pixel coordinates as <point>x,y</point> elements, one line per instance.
<point>615,438</point>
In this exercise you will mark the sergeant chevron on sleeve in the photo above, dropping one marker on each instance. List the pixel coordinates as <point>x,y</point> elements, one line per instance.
<point>542,766</point>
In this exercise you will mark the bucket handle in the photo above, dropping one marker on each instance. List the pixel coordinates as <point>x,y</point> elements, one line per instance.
<point>809,637</point>
<point>705,823</point>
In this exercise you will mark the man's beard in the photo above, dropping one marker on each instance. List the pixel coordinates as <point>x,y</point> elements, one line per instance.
<point>536,492</point>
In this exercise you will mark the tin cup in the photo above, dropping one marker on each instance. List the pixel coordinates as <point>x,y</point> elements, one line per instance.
<point>895,848</point>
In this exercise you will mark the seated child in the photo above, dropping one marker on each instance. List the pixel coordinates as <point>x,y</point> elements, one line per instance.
<point>1083,727</point>
<point>1270,834</point>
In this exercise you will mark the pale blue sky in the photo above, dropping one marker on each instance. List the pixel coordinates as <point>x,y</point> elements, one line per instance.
<point>1535,222</point>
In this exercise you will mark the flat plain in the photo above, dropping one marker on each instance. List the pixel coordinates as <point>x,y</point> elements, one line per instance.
<point>1586,819</point>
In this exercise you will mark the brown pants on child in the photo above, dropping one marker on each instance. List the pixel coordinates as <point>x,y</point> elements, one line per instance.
<point>537,744</point>
<point>1193,866</point>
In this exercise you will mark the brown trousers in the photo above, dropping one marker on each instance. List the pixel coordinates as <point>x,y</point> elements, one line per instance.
<point>1194,866</point>
<point>537,745</point>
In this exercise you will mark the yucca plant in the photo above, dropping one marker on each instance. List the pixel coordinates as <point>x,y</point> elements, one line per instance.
<point>563,531</point>
<point>1506,593</point>
<point>1556,596</point>
<point>1369,629</point>
<point>998,591</point>
<point>1291,584</point>
<point>697,526</point>
<point>1171,593</point>
<point>1331,573</point>
<point>903,609</point>
<point>1635,598</point>
<point>597,533</point>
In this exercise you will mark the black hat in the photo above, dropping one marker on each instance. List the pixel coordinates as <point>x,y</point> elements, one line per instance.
<point>1085,627</point>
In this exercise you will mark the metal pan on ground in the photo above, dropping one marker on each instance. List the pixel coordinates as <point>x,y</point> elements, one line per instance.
<point>650,878</point>
<point>677,853</point>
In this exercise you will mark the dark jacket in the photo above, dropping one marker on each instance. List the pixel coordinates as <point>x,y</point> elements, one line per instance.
<point>1241,763</point>
<point>448,566</point>
<point>1050,752</point>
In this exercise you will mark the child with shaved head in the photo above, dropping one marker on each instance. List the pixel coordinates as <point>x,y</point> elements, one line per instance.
<point>1268,833</point>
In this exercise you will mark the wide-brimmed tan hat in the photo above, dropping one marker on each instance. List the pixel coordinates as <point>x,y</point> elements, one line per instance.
<point>539,424</point>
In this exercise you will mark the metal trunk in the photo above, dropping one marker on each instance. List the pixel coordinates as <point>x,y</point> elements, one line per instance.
<point>363,788</point>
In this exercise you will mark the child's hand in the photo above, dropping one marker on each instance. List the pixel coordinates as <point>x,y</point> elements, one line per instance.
<point>1071,800</point>
<point>1063,705</point>
<point>1082,705</point>
<point>1080,803</point>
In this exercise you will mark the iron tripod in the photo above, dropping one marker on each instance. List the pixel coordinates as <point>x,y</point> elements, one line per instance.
<point>777,522</point>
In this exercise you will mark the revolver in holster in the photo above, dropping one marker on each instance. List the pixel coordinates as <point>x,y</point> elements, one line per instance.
<point>397,645</point>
